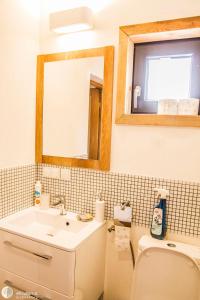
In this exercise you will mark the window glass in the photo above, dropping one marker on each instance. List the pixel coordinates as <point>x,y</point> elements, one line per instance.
<point>168,77</point>
<point>164,71</point>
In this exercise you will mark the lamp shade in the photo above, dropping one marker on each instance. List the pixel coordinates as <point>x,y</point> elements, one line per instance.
<point>72,20</point>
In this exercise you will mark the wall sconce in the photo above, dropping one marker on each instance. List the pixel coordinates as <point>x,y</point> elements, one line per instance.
<point>72,20</point>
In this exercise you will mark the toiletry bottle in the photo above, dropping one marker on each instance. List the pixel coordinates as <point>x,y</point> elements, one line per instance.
<point>38,192</point>
<point>158,225</point>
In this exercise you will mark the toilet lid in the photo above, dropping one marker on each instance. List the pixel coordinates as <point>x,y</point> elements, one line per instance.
<point>163,274</point>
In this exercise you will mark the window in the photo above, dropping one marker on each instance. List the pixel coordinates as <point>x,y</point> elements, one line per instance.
<point>165,70</point>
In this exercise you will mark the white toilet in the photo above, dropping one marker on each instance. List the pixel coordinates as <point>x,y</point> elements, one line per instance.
<point>166,270</point>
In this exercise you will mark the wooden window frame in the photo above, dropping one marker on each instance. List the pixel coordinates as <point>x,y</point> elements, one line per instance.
<point>105,143</point>
<point>151,32</point>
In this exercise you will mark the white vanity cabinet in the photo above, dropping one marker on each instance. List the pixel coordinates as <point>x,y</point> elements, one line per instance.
<point>20,285</point>
<point>53,273</point>
<point>54,268</point>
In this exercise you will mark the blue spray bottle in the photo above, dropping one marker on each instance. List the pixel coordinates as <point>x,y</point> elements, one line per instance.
<point>158,225</point>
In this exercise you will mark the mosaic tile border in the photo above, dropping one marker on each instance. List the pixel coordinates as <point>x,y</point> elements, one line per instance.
<point>183,206</point>
<point>16,188</point>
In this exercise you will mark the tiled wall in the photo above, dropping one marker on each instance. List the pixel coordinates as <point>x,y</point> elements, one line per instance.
<point>183,206</point>
<point>16,189</point>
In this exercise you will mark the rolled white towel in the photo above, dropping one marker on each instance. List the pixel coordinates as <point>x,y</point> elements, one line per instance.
<point>188,106</point>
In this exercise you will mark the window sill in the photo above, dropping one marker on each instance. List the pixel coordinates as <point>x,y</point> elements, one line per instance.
<point>158,120</point>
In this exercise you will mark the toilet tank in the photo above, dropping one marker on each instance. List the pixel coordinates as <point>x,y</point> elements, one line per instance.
<point>166,270</point>
<point>190,250</point>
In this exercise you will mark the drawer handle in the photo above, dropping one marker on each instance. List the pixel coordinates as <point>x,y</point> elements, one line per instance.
<point>13,286</point>
<point>44,256</point>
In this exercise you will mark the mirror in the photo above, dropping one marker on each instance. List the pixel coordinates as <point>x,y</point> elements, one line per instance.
<point>158,74</point>
<point>74,94</point>
<point>76,127</point>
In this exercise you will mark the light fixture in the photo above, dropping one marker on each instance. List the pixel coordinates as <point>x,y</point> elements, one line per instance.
<point>72,20</point>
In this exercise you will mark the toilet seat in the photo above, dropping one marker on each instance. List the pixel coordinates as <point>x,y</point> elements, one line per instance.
<point>165,274</point>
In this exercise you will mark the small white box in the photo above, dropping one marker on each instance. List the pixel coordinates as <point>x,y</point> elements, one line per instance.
<point>167,107</point>
<point>51,172</point>
<point>65,174</point>
<point>188,107</point>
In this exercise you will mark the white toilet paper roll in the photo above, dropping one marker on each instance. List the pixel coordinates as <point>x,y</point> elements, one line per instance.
<point>122,238</point>
<point>99,215</point>
<point>123,215</point>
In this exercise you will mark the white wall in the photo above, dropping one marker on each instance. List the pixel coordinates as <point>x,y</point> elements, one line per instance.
<point>155,151</point>
<point>19,28</point>
<point>144,150</point>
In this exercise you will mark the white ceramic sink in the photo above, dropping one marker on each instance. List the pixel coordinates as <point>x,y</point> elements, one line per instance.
<point>49,227</point>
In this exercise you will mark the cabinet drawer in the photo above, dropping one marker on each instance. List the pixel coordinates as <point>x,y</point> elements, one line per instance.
<point>42,264</point>
<point>23,289</point>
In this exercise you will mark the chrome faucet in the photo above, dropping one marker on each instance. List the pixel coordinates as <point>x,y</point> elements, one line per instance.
<point>61,204</point>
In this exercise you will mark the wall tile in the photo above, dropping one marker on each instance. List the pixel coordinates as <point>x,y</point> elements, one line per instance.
<point>183,205</point>
<point>16,188</point>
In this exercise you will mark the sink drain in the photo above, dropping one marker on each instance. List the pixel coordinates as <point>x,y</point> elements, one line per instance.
<point>171,245</point>
<point>50,234</point>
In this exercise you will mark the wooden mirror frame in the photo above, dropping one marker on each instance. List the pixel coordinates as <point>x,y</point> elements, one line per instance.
<point>151,32</point>
<point>106,122</point>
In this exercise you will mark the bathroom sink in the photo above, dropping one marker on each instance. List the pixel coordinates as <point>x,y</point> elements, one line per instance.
<point>49,227</point>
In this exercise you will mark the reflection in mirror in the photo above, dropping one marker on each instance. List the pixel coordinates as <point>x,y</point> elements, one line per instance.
<point>72,106</point>
<point>165,77</point>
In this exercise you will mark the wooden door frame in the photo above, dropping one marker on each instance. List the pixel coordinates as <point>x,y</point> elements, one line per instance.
<point>99,87</point>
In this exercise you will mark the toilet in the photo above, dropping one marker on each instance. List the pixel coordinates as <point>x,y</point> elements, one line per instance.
<point>166,270</point>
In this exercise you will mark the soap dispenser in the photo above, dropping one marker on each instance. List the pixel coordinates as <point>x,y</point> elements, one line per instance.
<point>158,225</point>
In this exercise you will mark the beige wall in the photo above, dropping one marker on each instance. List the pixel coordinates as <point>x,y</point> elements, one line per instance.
<point>19,25</point>
<point>155,151</point>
